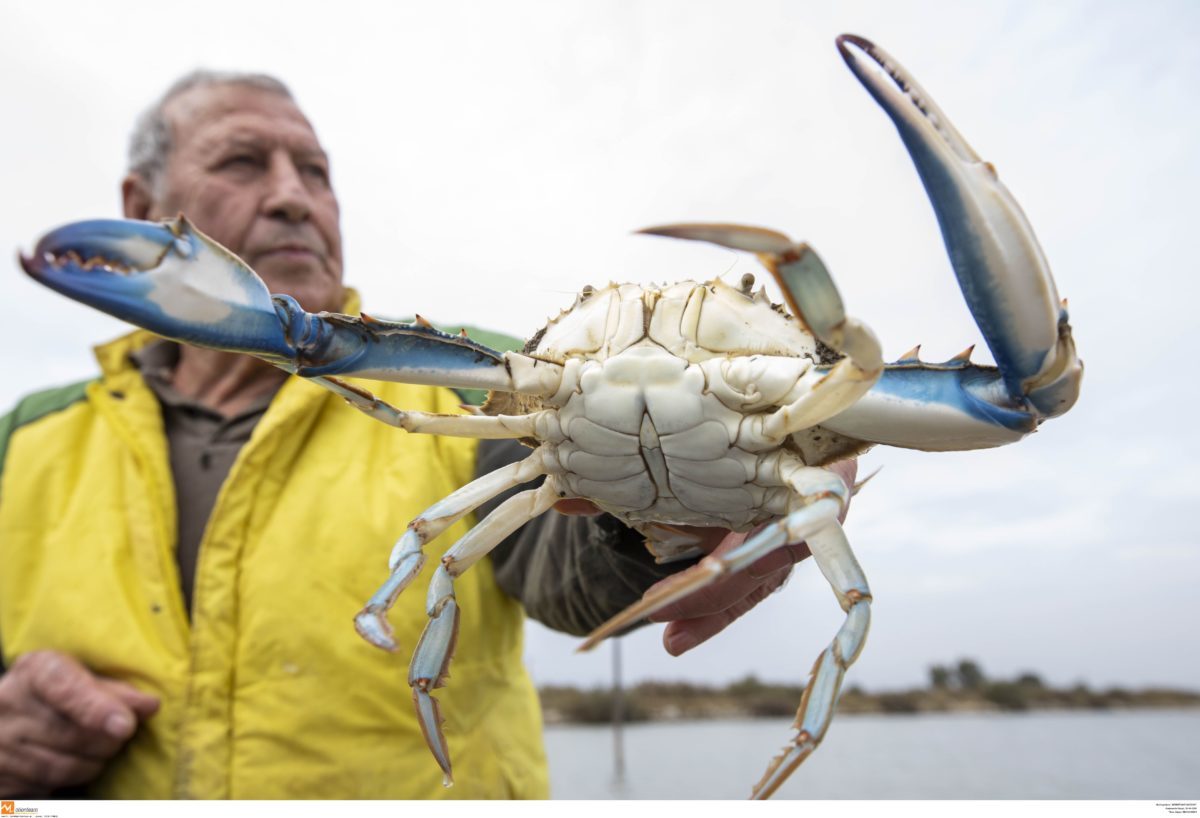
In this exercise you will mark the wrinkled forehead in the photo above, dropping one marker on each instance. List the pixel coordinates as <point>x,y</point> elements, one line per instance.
<point>207,117</point>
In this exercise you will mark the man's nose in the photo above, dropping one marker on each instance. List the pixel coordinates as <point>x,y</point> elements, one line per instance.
<point>286,198</point>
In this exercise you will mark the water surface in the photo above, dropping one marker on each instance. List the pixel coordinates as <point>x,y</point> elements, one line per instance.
<point>1112,755</point>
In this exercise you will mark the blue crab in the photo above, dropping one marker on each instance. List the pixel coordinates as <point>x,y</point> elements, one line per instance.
<point>696,403</point>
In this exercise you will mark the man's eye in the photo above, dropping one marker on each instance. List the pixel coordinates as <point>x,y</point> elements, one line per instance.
<point>319,172</point>
<point>241,160</point>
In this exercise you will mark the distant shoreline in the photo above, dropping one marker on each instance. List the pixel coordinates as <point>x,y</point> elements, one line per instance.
<point>750,698</point>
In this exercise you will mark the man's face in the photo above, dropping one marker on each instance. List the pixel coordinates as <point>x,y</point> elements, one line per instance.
<point>247,169</point>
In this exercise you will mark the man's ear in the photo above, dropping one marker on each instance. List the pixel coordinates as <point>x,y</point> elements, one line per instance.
<point>136,200</point>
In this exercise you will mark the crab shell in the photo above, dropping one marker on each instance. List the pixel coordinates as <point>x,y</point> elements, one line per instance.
<point>656,388</point>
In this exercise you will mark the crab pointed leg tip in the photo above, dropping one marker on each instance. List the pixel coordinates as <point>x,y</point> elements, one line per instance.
<point>669,230</point>
<point>857,487</point>
<point>588,645</point>
<point>447,780</point>
<point>734,236</point>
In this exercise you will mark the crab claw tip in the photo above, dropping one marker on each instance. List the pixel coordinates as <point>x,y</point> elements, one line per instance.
<point>853,39</point>
<point>26,262</point>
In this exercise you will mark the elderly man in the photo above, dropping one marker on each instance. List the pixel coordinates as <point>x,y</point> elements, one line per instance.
<point>185,538</point>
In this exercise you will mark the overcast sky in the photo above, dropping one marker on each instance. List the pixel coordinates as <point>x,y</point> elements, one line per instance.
<point>492,158</point>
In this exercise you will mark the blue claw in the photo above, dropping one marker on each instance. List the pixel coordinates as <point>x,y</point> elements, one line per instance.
<point>173,280</point>
<point>166,277</point>
<point>999,264</point>
<point>936,407</point>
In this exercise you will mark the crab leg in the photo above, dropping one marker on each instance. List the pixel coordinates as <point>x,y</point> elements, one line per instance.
<point>537,425</point>
<point>431,661</point>
<point>1000,267</point>
<point>822,497</point>
<point>833,556</point>
<point>807,286</point>
<point>408,555</point>
<point>814,299</point>
<point>171,279</point>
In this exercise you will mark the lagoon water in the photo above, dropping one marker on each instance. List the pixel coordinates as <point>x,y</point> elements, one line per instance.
<point>1109,755</point>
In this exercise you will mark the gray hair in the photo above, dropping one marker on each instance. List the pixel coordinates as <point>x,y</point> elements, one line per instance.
<point>150,144</point>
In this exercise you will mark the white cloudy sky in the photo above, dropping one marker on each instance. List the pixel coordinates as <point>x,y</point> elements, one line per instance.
<point>493,157</point>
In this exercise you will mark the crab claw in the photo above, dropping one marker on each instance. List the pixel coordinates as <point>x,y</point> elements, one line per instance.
<point>996,257</point>
<point>171,279</point>
<point>166,277</point>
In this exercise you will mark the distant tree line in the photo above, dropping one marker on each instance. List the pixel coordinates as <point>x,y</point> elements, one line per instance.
<point>962,686</point>
<point>968,675</point>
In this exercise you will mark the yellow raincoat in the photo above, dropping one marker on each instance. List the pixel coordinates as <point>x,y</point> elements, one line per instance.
<point>267,692</point>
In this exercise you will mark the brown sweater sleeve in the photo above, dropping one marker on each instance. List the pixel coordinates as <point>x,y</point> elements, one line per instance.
<point>571,573</point>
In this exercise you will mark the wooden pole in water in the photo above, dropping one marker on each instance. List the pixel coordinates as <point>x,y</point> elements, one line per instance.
<point>618,713</point>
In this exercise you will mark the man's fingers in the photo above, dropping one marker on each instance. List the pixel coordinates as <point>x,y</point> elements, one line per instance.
<point>719,596</point>
<point>53,731</point>
<point>682,635</point>
<point>731,589</point>
<point>41,767</point>
<point>71,690</point>
<point>577,508</point>
<point>848,471</point>
<point>60,723</point>
<point>13,787</point>
<point>784,557</point>
<point>143,705</point>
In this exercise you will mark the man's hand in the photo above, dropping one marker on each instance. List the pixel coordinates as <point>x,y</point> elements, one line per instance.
<point>707,612</point>
<point>60,723</point>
